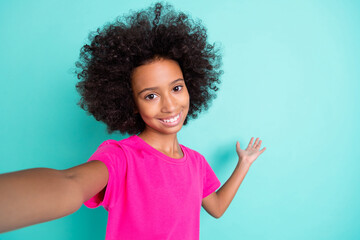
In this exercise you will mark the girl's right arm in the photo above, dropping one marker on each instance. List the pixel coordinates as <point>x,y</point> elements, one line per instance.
<point>39,195</point>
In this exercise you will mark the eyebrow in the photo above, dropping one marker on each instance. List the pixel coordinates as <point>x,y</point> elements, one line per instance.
<point>154,88</point>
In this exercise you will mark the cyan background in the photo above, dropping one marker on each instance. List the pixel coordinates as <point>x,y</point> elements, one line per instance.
<point>291,77</point>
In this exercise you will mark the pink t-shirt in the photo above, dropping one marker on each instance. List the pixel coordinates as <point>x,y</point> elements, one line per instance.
<point>150,195</point>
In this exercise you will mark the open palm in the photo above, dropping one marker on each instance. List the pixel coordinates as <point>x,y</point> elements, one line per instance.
<point>250,154</point>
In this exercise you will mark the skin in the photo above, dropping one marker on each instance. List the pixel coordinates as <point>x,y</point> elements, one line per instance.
<point>217,202</point>
<point>160,93</point>
<point>41,194</point>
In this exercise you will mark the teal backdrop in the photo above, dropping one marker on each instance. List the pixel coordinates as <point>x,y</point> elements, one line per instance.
<point>291,77</point>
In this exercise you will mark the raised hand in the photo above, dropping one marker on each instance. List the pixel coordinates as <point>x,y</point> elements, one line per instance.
<point>250,154</point>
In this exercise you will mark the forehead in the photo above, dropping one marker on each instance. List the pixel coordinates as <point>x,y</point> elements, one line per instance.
<point>156,73</point>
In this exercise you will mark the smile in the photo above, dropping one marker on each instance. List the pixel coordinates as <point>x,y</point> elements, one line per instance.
<point>171,121</point>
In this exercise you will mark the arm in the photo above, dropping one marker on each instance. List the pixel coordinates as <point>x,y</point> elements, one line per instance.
<point>217,202</point>
<point>41,194</point>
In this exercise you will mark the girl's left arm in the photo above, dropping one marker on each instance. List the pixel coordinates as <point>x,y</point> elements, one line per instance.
<point>217,202</point>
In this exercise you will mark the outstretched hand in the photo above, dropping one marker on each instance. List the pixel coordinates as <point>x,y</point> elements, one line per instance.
<point>251,153</point>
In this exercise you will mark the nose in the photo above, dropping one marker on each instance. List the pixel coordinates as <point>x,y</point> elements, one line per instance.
<point>168,104</point>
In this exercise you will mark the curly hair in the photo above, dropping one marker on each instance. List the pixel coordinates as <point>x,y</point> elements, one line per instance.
<point>106,64</point>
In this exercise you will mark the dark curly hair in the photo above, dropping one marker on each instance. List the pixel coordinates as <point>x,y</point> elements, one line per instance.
<point>106,64</point>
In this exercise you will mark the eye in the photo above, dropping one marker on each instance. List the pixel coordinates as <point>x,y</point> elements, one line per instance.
<point>177,88</point>
<point>150,96</point>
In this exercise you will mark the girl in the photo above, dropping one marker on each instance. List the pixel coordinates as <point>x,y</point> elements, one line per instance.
<point>146,75</point>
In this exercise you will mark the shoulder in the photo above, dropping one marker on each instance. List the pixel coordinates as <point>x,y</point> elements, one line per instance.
<point>113,144</point>
<point>192,153</point>
<point>126,147</point>
<point>112,147</point>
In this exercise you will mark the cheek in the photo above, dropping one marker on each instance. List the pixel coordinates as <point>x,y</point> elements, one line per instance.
<point>187,99</point>
<point>147,110</point>
<point>187,103</point>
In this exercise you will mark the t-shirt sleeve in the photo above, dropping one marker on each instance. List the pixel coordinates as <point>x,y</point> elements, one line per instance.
<point>210,180</point>
<point>112,155</point>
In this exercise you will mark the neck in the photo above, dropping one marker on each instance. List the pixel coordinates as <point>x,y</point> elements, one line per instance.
<point>165,143</point>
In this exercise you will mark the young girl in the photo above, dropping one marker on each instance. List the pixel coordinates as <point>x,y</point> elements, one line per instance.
<point>146,75</point>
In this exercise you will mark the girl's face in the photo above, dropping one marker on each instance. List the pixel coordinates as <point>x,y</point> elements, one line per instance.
<point>161,96</point>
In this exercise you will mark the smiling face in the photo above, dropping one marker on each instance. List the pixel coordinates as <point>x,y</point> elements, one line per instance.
<point>161,96</point>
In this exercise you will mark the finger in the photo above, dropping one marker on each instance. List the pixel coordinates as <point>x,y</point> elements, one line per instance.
<point>256,142</point>
<point>250,143</point>
<point>262,150</point>
<point>237,145</point>
<point>258,145</point>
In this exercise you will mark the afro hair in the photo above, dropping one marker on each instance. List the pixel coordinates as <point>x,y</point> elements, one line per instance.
<point>107,62</point>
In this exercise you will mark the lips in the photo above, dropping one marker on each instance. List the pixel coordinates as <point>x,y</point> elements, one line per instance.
<point>171,121</point>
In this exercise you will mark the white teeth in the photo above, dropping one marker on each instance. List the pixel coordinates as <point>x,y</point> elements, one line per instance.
<point>172,119</point>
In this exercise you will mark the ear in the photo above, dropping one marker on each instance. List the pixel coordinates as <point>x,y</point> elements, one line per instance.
<point>135,111</point>
<point>135,108</point>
